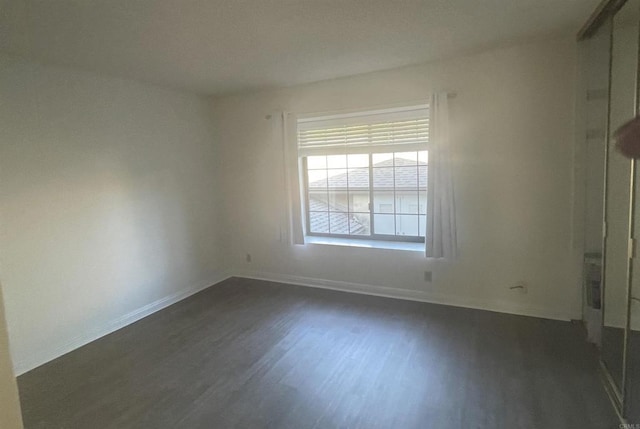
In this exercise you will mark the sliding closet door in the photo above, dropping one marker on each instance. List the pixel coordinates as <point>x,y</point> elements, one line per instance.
<point>624,66</point>
<point>632,381</point>
<point>632,378</point>
<point>595,54</point>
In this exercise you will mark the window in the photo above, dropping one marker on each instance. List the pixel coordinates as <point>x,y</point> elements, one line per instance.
<point>365,175</point>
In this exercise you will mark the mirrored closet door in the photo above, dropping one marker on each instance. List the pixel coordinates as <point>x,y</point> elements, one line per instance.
<point>619,172</point>
<point>609,68</point>
<point>632,351</point>
<point>595,53</point>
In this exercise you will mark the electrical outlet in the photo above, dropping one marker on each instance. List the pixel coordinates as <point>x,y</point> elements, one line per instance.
<point>520,287</point>
<point>428,276</point>
<point>248,257</point>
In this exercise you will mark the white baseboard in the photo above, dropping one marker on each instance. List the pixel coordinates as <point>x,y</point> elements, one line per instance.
<point>49,353</point>
<point>411,295</point>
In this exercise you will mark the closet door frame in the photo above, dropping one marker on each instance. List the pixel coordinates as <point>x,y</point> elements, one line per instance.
<point>607,10</point>
<point>633,230</point>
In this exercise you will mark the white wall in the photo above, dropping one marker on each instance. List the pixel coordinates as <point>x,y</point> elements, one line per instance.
<point>117,198</point>
<point>109,204</point>
<point>513,135</point>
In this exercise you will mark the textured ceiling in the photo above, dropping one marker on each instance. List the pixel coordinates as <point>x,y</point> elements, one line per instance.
<point>222,46</point>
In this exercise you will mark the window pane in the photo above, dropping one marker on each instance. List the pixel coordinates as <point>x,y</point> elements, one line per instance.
<point>407,225</point>
<point>338,179</point>
<point>406,177</point>
<point>422,206</point>
<point>360,160</point>
<point>318,201</point>
<point>407,202</point>
<point>349,223</point>
<point>383,224</point>
<point>317,179</point>
<point>359,201</point>
<point>383,178</point>
<point>382,159</point>
<point>319,222</point>
<point>337,161</point>
<point>422,175</point>
<point>405,158</point>
<point>423,157</point>
<point>338,201</point>
<point>339,193</point>
<point>339,223</point>
<point>358,178</point>
<point>360,224</point>
<point>315,162</point>
<point>383,202</point>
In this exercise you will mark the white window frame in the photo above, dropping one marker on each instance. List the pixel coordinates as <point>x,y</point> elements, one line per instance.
<point>379,147</point>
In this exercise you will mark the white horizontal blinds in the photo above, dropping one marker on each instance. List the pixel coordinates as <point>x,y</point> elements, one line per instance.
<point>390,130</point>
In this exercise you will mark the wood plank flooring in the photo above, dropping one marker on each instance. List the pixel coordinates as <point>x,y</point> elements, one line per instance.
<point>253,354</point>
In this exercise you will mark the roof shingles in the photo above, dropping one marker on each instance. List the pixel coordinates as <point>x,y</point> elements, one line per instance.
<point>405,175</point>
<point>325,218</point>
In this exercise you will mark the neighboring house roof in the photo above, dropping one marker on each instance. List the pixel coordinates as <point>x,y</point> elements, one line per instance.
<point>340,221</point>
<point>406,176</point>
<point>399,162</point>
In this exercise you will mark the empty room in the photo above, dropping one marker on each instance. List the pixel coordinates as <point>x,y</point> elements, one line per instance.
<point>317,214</point>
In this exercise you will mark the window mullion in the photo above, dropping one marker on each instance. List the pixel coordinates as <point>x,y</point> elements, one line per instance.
<point>371,221</point>
<point>348,201</point>
<point>305,168</point>
<point>395,200</point>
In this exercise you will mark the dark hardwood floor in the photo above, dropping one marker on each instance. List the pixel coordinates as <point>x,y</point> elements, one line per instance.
<point>253,354</point>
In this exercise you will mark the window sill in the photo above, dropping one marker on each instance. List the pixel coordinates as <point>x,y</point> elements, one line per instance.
<point>371,244</point>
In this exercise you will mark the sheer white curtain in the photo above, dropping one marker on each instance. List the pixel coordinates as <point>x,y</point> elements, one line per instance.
<point>441,237</point>
<point>285,128</point>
